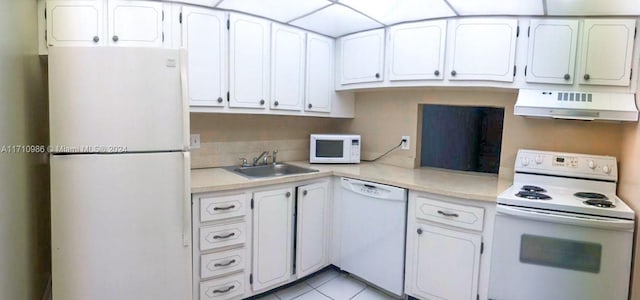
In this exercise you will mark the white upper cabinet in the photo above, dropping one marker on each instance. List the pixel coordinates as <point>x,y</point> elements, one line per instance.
<point>272,238</point>
<point>361,57</point>
<point>312,232</point>
<point>482,49</point>
<point>319,73</point>
<point>287,67</point>
<point>607,46</point>
<point>249,60</point>
<point>204,34</point>
<point>74,23</point>
<point>416,50</point>
<point>552,51</point>
<point>136,23</point>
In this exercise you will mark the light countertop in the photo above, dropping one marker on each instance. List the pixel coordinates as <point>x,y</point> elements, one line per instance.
<point>465,185</point>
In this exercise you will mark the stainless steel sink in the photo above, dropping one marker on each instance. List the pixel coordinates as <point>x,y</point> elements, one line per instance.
<point>270,170</point>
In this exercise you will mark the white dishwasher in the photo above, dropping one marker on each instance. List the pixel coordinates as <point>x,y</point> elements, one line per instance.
<point>372,232</point>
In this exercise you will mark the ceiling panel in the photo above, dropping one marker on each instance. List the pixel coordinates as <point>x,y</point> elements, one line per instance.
<point>499,7</point>
<point>395,11</point>
<point>336,20</point>
<point>279,10</point>
<point>593,7</point>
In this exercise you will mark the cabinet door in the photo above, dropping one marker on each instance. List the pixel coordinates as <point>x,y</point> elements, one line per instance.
<point>272,237</point>
<point>607,48</point>
<point>483,49</point>
<point>249,61</point>
<point>416,50</point>
<point>74,23</point>
<point>312,228</point>
<point>205,37</point>
<point>287,67</point>
<point>319,73</point>
<point>552,51</point>
<point>361,57</point>
<point>135,23</point>
<point>446,263</point>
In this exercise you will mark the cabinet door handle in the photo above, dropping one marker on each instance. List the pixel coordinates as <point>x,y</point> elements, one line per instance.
<point>377,75</point>
<point>304,193</point>
<point>288,194</point>
<point>219,99</point>
<point>115,38</point>
<point>275,103</point>
<point>586,77</point>
<point>436,72</point>
<point>310,106</point>
<point>453,73</point>
<point>261,101</point>
<point>419,230</point>
<point>447,214</point>
<point>225,290</point>
<point>96,39</point>
<point>225,264</point>
<point>217,237</point>
<point>567,76</point>
<point>224,208</point>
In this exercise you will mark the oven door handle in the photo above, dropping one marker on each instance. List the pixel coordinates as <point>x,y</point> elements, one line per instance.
<point>586,221</point>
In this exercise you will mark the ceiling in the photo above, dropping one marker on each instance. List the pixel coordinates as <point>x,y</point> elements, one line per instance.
<point>339,17</point>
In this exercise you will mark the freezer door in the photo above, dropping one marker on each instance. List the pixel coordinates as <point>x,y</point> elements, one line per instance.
<point>118,226</point>
<point>114,96</point>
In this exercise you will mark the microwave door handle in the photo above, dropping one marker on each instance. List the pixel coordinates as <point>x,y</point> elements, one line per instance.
<point>564,219</point>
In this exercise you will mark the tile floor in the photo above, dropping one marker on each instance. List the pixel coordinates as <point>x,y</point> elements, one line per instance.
<point>328,285</point>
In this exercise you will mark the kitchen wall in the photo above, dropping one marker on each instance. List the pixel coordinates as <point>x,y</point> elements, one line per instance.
<point>24,184</point>
<point>227,137</point>
<point>629,186</point>
<point>382,117</point>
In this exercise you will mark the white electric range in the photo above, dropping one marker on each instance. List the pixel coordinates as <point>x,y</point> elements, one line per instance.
<point>560,231</point>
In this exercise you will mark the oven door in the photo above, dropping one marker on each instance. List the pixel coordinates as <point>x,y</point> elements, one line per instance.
<point>551,255</point>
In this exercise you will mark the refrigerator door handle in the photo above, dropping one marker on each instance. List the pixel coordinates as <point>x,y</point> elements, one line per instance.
<point>186,217</point>
<point>184,87</point>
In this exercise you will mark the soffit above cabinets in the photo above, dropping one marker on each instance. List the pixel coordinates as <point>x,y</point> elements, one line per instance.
<point>397,11</point>
<point>336,18</point>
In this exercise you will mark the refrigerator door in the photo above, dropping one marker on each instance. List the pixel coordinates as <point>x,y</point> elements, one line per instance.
<point>119,224</point>
<point>122,98</point>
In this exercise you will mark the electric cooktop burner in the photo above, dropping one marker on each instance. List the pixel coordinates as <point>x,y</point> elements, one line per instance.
<point>533,188</point>
<point>600,203</point>
<point>532,195</point>
<point>591,196</point>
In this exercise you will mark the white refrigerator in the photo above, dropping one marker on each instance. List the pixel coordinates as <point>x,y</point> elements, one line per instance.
<point>120,191</point>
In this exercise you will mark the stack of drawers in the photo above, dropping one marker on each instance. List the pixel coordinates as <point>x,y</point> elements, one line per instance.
<point>221,248</point>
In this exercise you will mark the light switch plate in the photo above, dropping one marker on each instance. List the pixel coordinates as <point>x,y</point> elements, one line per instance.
<point>195,141</point>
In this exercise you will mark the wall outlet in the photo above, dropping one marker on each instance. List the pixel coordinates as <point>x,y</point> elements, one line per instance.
<point>405,145</point>
<point>195,141</point>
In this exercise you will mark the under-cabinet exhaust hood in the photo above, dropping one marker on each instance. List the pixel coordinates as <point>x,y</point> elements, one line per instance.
<point>576,105</point>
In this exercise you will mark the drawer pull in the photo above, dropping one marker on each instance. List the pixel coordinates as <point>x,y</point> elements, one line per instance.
<point>226,236</point>
<point>446,214</point>
<point>225,290</point>
<point>224,208</point>
<point>225,264</point>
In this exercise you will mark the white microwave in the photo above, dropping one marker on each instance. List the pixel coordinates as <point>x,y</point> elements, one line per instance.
<point>334,149</point>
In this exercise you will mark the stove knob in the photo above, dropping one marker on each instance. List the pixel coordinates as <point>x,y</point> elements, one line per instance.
<point>592,165</point>
<point>525,161</point>
<point>606,169</point>
<point>539,159</point>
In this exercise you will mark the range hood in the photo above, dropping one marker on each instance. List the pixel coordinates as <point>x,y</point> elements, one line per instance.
<point>573,105</point>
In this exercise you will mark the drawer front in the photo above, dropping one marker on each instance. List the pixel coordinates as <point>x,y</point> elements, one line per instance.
<point>220,263</point>
<point>452,214</point>
<point>218,208</point>
<point>212,237</point>
<point>230,287</point>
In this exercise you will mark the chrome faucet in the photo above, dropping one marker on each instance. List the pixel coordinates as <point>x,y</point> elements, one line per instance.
<point>273,157</point>
<point>256,161</point>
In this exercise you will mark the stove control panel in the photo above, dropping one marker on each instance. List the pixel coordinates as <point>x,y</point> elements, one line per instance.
<point>567,164</point>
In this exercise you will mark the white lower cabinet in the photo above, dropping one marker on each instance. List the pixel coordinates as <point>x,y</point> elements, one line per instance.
<point>312,232</point>
<point>444,248</point>
<point>272,237</point>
